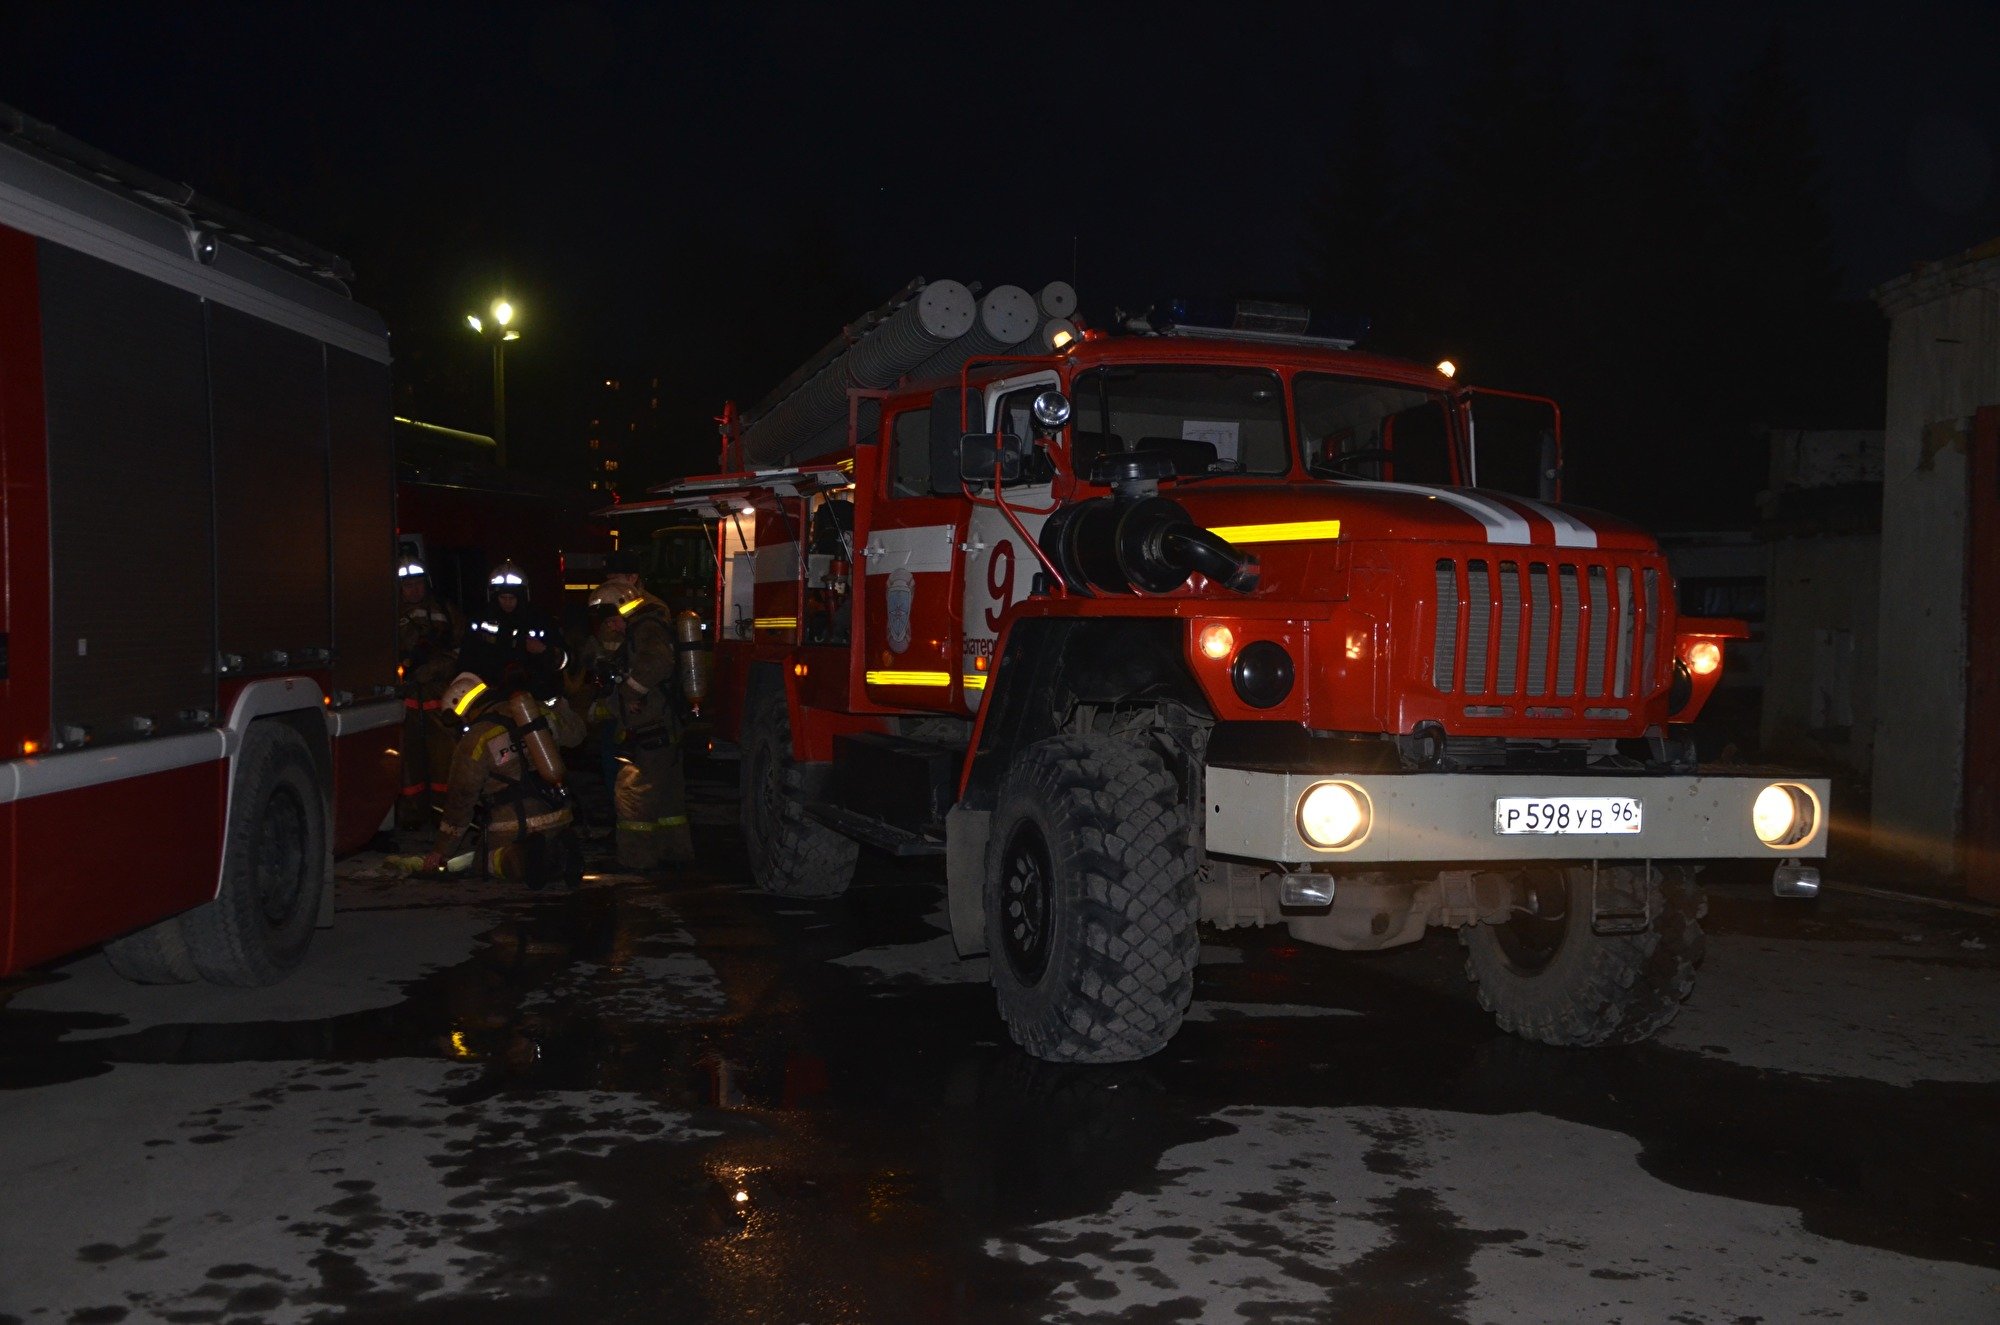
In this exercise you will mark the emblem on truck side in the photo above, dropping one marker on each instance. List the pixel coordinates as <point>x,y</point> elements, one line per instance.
<point>900,593</point>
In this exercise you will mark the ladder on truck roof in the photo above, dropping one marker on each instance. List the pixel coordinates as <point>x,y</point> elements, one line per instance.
<point>180,202</point>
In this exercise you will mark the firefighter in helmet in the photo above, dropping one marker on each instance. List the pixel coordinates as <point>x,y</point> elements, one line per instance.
<point>631,654</point>
<point>507,782</point>
<point>427,640</point>
<point>513,645</point>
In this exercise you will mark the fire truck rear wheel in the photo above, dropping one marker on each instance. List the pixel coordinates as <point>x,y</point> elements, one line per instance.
<point>156,955</point>
<point>1551,978</point>
<point>256,930</point>
<point>791,854</point>
<point>1090,901</point>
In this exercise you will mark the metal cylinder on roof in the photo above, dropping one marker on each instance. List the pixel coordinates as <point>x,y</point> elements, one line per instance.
<point>1057,299</point>
<point>799,426</point>
<point>1007,316</point>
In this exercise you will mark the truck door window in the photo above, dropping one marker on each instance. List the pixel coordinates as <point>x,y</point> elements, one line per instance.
<point>1015,416</point>
<point>910,455</point>
<point>1372,430</point>
<point>1209,419</point>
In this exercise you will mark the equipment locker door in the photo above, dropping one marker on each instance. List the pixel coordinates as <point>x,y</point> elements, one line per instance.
<point>909,554</point>
<point>999,564</point>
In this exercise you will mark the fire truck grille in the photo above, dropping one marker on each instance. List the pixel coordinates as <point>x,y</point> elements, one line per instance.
<point>1538,629</point>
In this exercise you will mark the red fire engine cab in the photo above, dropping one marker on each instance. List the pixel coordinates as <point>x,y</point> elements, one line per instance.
<point>1230,624</point>
<point>197,636</point>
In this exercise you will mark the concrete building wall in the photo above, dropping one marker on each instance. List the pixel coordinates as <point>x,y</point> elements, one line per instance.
<point>1944,362</point>
<point>1820,645</point>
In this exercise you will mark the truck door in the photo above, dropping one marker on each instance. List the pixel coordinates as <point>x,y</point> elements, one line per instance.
<point>909,551</point>
<point>999,565</point>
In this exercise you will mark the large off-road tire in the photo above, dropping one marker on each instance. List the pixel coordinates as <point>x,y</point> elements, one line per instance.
<point>791,853</point>
<point>256,930</point>
<point>1090,901</point>
<point>1549,977</point>
<point>156,955</point>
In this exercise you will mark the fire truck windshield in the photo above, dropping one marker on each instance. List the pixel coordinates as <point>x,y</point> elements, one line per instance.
<point>1356,429</point>
<point>1211,420</point>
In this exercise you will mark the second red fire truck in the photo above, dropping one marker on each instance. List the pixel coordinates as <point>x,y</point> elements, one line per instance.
<point>1228,624</point>
<point>198,702</point>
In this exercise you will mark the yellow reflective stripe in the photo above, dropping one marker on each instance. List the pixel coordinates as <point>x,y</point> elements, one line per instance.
<point>1295,531</point>
<point>470,695</point>
<point>975,681</point>
<point>649,825</point>
<point>774,623</point>
<point>886,678</point>
<point>673,821</point>
<point>631,606</point>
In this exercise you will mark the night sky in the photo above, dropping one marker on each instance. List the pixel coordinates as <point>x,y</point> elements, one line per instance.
<point>628,174</point>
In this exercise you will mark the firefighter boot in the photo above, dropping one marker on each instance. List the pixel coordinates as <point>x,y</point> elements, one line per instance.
<point>637,796</point>
<point>676,843</point>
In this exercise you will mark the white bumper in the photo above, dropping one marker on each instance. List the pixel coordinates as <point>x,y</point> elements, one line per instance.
<point>1450,817</point>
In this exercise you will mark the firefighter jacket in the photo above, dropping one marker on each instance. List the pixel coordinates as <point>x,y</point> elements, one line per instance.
<point>496,647</point>
<point>639,671</point>
<point>427,640</point>
<point>493,781</point>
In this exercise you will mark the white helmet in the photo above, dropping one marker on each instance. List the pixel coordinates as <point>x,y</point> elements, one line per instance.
<point>613,598</point>
<point>507,578</point>
<point>463,692</point>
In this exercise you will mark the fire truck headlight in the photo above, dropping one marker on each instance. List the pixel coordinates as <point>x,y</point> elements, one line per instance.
<point>1334,815</point>
<point>1216,641</point>
<point>1784,815</point>
<point>1263,674</point>
<point>1704,657</point>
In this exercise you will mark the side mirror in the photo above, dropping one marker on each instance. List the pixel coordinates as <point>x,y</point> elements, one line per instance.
<point>977,454</point>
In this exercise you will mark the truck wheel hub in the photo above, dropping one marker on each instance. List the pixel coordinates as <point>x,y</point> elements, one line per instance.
<point>1027,884</point>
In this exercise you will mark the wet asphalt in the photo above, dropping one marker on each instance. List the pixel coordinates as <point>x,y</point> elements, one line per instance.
<point>686,1100</point>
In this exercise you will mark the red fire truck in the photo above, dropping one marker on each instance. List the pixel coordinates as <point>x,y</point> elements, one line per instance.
<point>197,671</point>
<point>1230,624</point>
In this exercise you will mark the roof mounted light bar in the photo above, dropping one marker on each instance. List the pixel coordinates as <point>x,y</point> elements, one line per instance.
<point>1260,320</point>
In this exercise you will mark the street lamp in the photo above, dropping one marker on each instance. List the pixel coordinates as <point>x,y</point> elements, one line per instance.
<point>498,327</point>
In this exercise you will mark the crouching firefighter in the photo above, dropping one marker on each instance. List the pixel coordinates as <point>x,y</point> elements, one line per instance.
<point>632,652</point>
<point>506,783</point>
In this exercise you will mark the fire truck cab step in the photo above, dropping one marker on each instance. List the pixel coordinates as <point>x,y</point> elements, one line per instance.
<point>875,832</point>
<point>904,784</point>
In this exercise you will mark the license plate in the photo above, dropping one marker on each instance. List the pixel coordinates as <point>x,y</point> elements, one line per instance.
<point>1566,814</point>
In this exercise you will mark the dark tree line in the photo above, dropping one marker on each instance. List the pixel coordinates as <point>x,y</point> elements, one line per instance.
<point>1664,274</point>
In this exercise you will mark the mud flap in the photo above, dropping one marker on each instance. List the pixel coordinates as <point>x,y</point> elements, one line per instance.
<point>965,833</point>
<point>325,918</point>
<point>1612,909</point>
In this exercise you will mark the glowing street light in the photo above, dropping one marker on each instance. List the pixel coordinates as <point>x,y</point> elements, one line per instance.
<point>497,327</point>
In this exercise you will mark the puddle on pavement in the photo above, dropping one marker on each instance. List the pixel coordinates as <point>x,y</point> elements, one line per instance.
<point>879,1133</point>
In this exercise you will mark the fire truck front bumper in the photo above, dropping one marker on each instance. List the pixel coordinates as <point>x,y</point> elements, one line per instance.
<point>1412,817</point>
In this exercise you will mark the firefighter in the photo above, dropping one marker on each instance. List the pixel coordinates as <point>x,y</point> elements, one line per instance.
<point>513,645</point>
<point>631,655</point>
<point>427,640</point>
<point>507,782</point>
